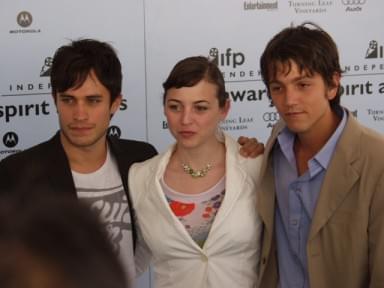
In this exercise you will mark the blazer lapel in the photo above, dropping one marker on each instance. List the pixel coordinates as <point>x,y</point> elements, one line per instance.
<point>157,172</point>
<point>234,181</point>
<point>58,169</point>
<point>340,176</point>
<point>266,196</point>
<point>233,187</point>
<point>266,200</point>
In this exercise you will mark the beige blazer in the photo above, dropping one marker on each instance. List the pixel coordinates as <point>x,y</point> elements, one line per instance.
<point>346,240</point>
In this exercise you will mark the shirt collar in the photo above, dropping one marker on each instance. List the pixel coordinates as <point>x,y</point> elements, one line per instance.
<point>286,141</point>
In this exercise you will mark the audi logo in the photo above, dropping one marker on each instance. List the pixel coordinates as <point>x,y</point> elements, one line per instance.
<point>271,116</point>
<point>353,2</point>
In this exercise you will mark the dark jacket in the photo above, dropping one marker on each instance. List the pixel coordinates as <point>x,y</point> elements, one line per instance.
<point>43,170</point>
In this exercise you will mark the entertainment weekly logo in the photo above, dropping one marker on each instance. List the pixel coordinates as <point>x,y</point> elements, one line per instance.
<point>261,5</point>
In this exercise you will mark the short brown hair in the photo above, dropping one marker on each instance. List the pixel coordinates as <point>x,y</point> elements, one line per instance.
<point>309,47</point>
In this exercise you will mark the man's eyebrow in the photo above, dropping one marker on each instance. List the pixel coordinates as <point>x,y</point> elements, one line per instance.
<point>87,96</point>
<point>298,78</point>
<point>93,96</point>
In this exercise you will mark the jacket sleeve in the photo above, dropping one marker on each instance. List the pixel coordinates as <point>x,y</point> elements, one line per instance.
<point>6,178</point>
<point>376,236</point>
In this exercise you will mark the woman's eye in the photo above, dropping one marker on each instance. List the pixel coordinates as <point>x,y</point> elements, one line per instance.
<point>174,107</point>
<point>201,108</point>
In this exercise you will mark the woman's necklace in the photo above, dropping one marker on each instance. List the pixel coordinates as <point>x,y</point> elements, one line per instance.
<point>196,173</point>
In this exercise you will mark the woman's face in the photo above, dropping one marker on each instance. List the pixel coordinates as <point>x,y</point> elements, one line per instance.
<point>193,113</point>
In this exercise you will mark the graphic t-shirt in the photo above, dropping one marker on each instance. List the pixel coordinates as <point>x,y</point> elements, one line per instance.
<point>103,190</point>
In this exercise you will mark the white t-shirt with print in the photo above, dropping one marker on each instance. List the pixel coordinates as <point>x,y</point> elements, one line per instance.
<point>103,190</point>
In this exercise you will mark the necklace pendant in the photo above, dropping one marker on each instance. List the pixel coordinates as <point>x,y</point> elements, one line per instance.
<point>196,173</point>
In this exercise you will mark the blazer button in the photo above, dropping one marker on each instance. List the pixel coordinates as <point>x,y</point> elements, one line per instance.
<point>204,258</point>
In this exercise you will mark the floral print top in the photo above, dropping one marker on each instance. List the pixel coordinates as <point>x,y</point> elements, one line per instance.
<point>196,212</point>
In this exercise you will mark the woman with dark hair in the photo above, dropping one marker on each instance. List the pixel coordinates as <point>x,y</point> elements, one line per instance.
<point>195,203</point>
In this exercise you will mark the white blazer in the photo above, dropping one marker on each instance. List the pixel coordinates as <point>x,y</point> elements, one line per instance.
<point>230,255</point>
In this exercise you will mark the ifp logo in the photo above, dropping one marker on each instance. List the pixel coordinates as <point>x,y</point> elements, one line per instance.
<point>10,139</point>
<point>228,58</point>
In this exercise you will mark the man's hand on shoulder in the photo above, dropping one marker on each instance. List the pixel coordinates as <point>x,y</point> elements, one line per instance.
<point>250,147</point>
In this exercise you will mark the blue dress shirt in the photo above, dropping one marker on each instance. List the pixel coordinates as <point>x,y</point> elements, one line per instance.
<point>296,201</point>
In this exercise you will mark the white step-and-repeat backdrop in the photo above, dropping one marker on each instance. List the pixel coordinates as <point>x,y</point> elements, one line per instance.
<point>152,35</point>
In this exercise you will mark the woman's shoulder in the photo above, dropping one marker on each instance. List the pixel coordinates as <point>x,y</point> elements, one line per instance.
<point>249,166</point>
<point>146,166</point>
<point>151,165</point>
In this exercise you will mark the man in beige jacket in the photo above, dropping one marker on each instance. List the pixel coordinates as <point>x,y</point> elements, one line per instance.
<point>322,191</point>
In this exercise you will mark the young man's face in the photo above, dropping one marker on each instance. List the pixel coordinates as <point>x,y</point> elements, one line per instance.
<point>301,99</point>
<point>84,114</point>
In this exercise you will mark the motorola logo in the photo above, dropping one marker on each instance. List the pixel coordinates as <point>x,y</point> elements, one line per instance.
<point>10,139</point>
<point>353,2</point>
<point>114,131</point>
<point>271,116</point>
<point>24,19</point>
